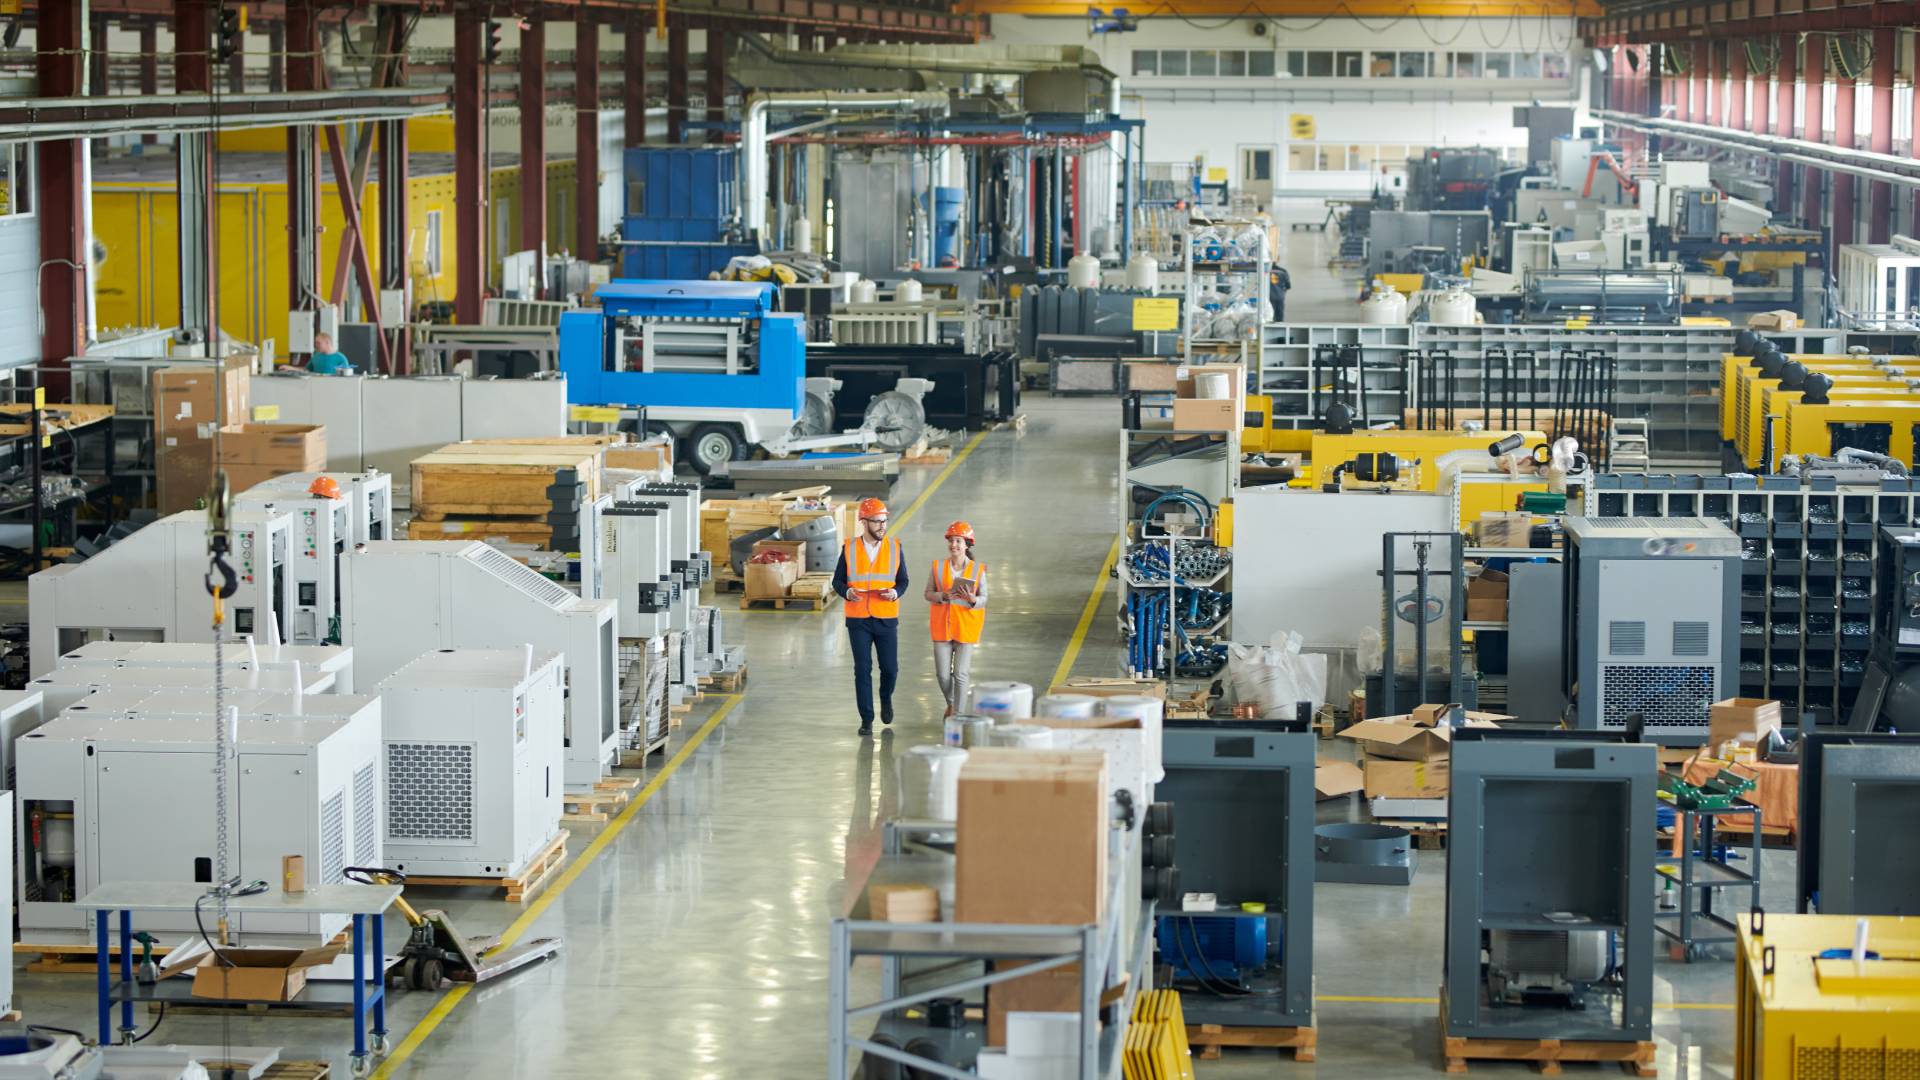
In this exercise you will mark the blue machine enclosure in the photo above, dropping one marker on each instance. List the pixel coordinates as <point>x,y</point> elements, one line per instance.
<point>587,337</point>
<point>680,206</point>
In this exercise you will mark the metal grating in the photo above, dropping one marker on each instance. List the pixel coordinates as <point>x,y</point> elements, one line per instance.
<point>1668,695</point>
<point>518,575</point>
<point>1690,638</point>
<point>366,815</point>
<point>333,839</point>
<point>1903,1063</point>
<point>430,791</point>
<point>1627,638</point>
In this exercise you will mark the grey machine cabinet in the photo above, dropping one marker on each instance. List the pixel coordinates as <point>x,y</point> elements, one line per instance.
<point>1652,623</point>
<point>1859,813</point>
<point>1243,799</point>
<point>1549,834</point>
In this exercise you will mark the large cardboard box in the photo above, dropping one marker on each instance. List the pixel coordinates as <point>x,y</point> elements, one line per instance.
<point>289,447</point>
<point>1487,597</point>
<point>1032,837</point>
<point>1194,413</point>
<point>769,580</point>
<point>1386,778</point>
<point>1505,528</point>
<point>186,411</point>
<point>259,974</point>
<point>1400,738</point>
<point>1333,778</point>
<point>1191,414</point>
<point>1741,720</point>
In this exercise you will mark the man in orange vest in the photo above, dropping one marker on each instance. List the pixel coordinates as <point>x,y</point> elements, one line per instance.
<point>871,578</point>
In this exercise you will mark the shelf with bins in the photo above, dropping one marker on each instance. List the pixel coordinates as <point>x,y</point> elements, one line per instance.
<point>1377,359</point>
<point>1230,257</point>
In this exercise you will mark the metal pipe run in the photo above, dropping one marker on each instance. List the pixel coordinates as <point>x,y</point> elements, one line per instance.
<point>754,137</point>
<point>1888,168</point>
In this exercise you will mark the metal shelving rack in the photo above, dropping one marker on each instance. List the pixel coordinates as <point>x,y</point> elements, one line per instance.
<point>1700,876</point>
<point>955,955</point>
<point>1204,275</point>
<point>1380,356</point>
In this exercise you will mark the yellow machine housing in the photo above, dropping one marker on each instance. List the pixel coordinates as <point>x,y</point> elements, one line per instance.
<point>1801,1017</point>
<point>1821,429</point>
<point>1775,400</point>
<point>1740,415</point>
<point>1327,451</point>
<point>1261,437</point>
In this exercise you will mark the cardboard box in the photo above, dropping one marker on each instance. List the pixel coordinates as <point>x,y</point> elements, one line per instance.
<point>1487,597</point>
<point>1407,779</point>
<point>1398,737</point>
<point>1032,837</point>
<point>186,411</point>
<point>259,974</point>
<point>1504,528</point>
<point>289,447</point>
<point>1333,778</point>
<point>1741,720</point>
<point>1387,808</point>
<point>644,457</point>
<point>1210,415</point>
<point>904,903</point>
<point>1774,320</point>
<point>1052,991</point>
<point>794,550</point>
<point>1152,376</point>
<point>1111,687</point>
<point>1449,715</point>
<point>293,873</point>
<point>768,580</point>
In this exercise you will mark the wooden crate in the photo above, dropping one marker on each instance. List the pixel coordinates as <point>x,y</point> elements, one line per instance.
<point>533,531</point>
<point>503,481</point>
<point>1207,1039</point>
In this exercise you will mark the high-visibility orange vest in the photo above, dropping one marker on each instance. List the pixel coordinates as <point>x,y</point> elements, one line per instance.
<point>872,577</point>
<point>951,622</point>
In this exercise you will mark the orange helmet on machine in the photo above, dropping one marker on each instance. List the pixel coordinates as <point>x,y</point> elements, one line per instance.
<point>873,509</point>
<point>325,486</point>
<point>960,529</point>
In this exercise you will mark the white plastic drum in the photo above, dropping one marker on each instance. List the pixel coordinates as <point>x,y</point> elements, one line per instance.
<point>1024,736</point>
<point>1143,272</point>
<point>968,729</point>
<point>1149,711</point>
<point>930,782</point>
<point>1069,706</point>
<point>1003,700</point>
<point>1212,385</point>
<point>1455,307</point>
<point>907,292</point>
<point>1083,272</point>
<point>863,292</point>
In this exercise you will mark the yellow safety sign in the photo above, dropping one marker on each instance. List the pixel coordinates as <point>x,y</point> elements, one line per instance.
<point>266,414</point>
<point>1301,125</point>
<point>595,414</point>
<point>1159,313</point>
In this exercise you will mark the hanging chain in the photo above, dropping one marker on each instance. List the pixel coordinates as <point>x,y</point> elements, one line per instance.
<point>222,582</point>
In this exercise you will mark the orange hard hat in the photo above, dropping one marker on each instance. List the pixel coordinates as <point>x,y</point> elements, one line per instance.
<point>326,487</point>
<point>873,508</point>
<point>960,529</point>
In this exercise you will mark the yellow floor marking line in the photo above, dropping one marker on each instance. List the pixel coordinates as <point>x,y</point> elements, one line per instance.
<point>914,508</point>
<point>1086,616</point>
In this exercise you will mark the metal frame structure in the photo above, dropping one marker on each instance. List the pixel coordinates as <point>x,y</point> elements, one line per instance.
<point>1459,687</point>
<point>1835,875</point>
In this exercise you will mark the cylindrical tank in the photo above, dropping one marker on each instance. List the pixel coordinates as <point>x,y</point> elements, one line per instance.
<point>967,730</point>
<point>863,292</point>
<point>1384,306</point>
<point>947,203</point>
<point>1143,272</point>
<point>1455,307</point>
<point>56,841</point>
<point>1027,736</point>
<point>1083,272</point>
<point>1003,700</point>
<point>1069,706</point>
<point>907,292</point>
<point>930,781</point>
<point>802,234</point>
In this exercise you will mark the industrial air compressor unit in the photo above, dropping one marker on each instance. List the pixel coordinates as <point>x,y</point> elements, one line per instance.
<point>368,494</point>
<point>473,761</point>
<point>64,686</point>
<point>310,660</point>
<point>636,567</point>
<point>321,531</point>
<point>128,797</point>
<point>1652,623</point>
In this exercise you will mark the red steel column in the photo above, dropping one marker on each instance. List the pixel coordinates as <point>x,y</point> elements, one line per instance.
<point>396,216</point>
<point>1696,84</point>
<point>635,39</point>
<point>1737,86</point>
<point>62,210</point>
<point>1787,76</point>
<point>1715,102</point>
<point>1880,138</point>
<point>676,81</point>
<point>1844,88</point>
<point>469,170</point>
<point>1814,71</point>
<point>533,139</point>
<point>586,128</point>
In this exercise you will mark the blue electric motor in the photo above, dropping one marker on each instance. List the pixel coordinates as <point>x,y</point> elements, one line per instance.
<point>1212,948</point>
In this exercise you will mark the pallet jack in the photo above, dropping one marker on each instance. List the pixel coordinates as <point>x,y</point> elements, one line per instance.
<point>436,949</point>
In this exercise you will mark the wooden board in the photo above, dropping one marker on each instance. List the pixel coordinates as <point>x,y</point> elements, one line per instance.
<point>513,530</point>
<point>497,480</point>
<point>1207,1039</point>
<point>519,889</point>
<point>592,807</point>
<point>62,417</point>
<point>728,683</point>
<point>635,757</point>
<point>1427,835</point>
<point>297,1070</point>
<point>782,603</point>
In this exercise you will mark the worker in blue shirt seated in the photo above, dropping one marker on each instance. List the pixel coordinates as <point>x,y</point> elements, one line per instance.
<point>325,359</point>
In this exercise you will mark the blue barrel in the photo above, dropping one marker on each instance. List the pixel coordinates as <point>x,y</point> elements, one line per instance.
<point>947,202</point>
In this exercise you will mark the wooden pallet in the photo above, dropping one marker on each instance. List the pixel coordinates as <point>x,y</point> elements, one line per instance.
<point>1207,1039</point>
<point>635,757</point>
<point>927,455</point>
<point>784,603</point>
<point>592,807</point>
<point>297,1070</point>
<point>725,580</point>
<point>499,480</point>
<point>518,889</point>
<point>1547,1055</point>
<point>728,683</point>
<point>1018,423</point>
<point>1427,835</point>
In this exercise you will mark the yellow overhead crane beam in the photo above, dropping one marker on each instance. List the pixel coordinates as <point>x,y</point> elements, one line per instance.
<point>1286,9</point>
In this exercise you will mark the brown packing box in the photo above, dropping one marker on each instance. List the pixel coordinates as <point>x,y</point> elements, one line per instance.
<point>1743,720</point>
<point>1153,376</point>
<point>185,414</point>
<point>795,550</point>
<point>1032,837</point>
<point>1053,990</point>
<point>259,974</point>
<point>767,580</point>
<point>288,447</point>
<point>903,903</point>
<point>1399,737</point>
<point>1097,687</point>
<point>1437,715</point>
<point>1487,597</point>
<point>293,873</point>
<point>1504,528</point>
<point>1193,414</point>
<point>1407,779</point>
<point>1774,320</point>
<point>1333,778</point>
<point>645,457</point>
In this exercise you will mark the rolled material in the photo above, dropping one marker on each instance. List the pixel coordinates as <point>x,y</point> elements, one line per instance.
<point>1213,385</point>
<point>968,729</point>
<point>1150,711</point>
<point>1003,700</point>
<point>1069,706</point>
<point>930,782</point>
<point>1023,736</point>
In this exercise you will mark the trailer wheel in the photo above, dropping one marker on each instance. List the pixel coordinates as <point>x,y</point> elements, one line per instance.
<point>711,444</point>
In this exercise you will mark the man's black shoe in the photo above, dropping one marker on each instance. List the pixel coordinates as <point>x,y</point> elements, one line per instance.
<point>866,728</point>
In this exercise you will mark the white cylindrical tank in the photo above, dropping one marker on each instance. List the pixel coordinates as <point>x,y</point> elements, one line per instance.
<point>1384,306</point>
<point>1003,701</point>
<point>802,234</point>
<point>1083,272</point>
<point>907,292</point>
<point>863,292</point>
<point>1143,272</point>
<point>1025,736</point>
<point>930,781</point>
<point>1069,706</point>
<point>1455,307</point>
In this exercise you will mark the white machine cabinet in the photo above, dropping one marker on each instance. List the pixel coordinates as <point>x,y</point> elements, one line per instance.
<point>322,529</point>
<point>21,711</point>
<point>474,761</point>
<point>314,660</point>
<point>128,798</point>
<point>405,597</point>
<point>65,686</point>
<point>369,495</point>
<point>6,895</point>
<point>151,586</point>
<point>635,567</point>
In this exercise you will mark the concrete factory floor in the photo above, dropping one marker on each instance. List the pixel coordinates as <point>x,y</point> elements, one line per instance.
<point>696,924</point>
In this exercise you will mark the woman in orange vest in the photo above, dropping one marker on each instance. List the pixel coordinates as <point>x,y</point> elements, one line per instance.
<point>956,606</point>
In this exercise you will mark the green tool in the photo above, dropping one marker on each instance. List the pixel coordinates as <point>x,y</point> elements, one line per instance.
<point>149,972</point>
<point>1718,793</point>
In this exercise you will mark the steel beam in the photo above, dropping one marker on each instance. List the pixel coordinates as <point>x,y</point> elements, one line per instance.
<point>1729,19</point>
<point>199,247</point>
<point>396,225</point>
<point>345,187</point>
<point>634,83</point>
<point>64,257</point>
<point>533,137</point>
<point>97,57</point>
<point>1813,70</point>
<point>303,73</point>
<point>469,169</point>
<point>676,81</point>
<point>149,64</point>
<point>1880,138</point>
<point>276,57</point>
<point>716,89</point>
<point>586,127</point>
<point>1786,75</point>
<point>1737,85</point>
<point>1844,88</point>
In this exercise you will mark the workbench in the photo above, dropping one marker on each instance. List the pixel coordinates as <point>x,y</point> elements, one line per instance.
<point>366,904</point>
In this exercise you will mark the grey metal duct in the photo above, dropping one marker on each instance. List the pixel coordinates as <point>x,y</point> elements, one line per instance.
<point>1886,168</point>
<point>754,137</point>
